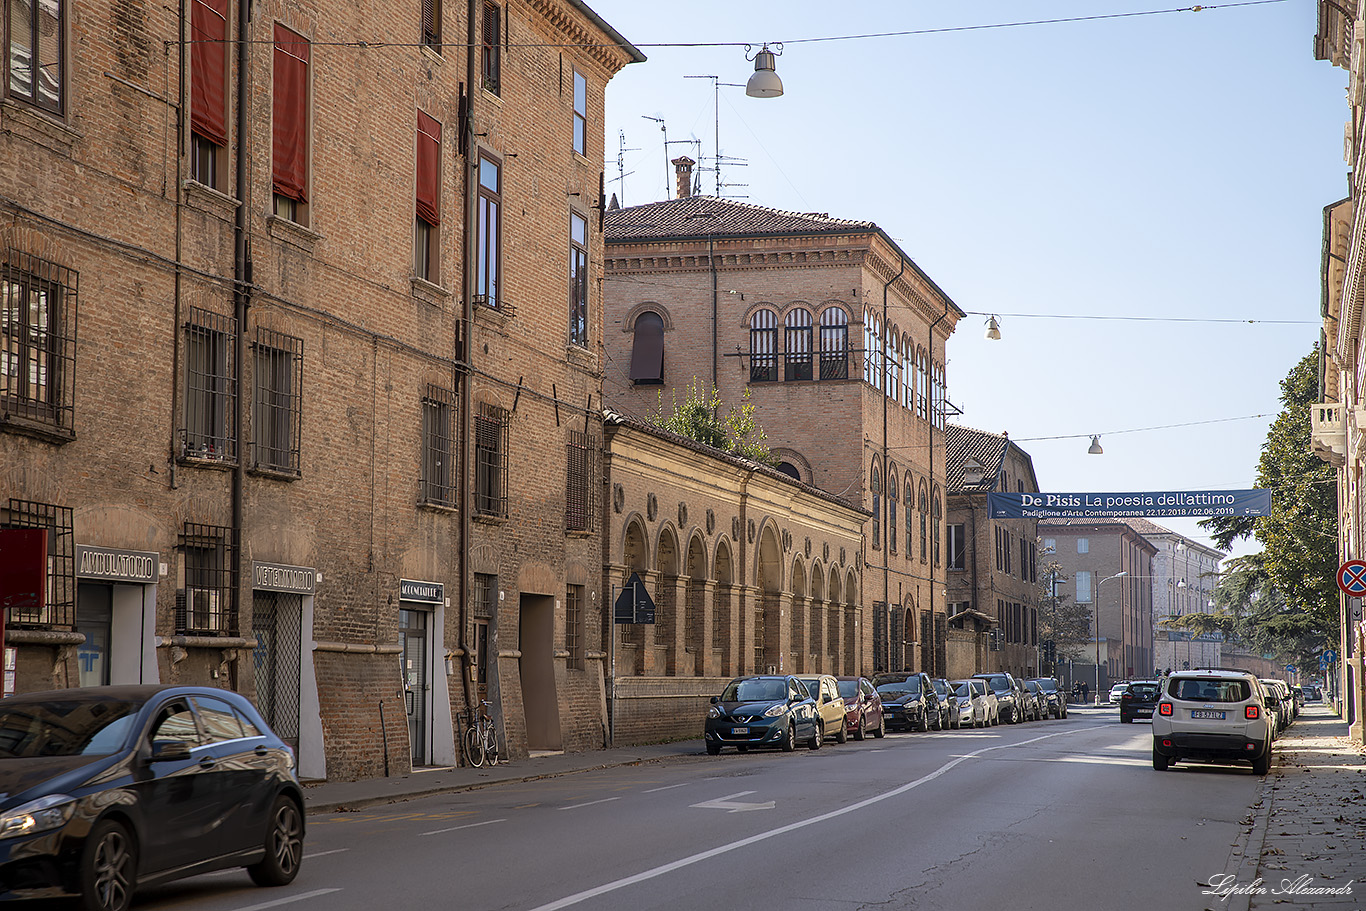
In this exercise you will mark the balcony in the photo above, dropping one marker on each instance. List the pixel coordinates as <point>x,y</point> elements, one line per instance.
<point>1328,432</point>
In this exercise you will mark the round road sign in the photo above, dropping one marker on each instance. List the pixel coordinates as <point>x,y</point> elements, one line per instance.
<point>1352,577</point>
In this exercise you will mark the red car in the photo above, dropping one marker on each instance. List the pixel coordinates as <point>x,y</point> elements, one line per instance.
<point>862,708</point>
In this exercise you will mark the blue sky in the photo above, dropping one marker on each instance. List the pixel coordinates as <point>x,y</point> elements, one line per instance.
<point>1168,166</point>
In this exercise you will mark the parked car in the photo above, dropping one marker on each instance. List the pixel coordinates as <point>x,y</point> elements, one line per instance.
<point>1298,693</point>
<point>1212,715</point>
<point>1139,700</point>
<point>1116,692</point>
<point>105,790</point>
<point>1313,693</point>
<point>1036,701</point>
<point>948,704</point>
<point>908,700</point>
<point>825,689</point>
<point>862,707</point>
<point>1278,692</point>
<point>972,702</point>
<point>1008,708</point>
<point>762,711</point>
<point>1056,701</point>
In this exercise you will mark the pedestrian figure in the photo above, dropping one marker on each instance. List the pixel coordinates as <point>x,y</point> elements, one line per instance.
<point>1085,691</point>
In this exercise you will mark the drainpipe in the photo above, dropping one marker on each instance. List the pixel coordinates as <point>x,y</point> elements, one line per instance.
<point>933,501</point>
<point>466,130</point>
<point>242,279</point>
<point>882,355</point>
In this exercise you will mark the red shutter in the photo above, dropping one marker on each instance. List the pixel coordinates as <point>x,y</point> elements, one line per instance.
<point>428,169</point>
<point>208,69</point>
<point>290,161</point>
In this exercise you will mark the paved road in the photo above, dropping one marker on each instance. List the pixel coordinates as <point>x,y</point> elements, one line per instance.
<point>1050,815</point>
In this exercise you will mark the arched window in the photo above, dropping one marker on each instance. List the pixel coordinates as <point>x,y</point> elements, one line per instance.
<point>940,396</point>
<point>647,350</point>
<point>790,470</point>
<point>763,347</point>
<point>922,385</point>
<point>909,501</point>
<point>924,504</point>
<point>797,345</point>
<point>870,349</point>
<point>876,487</point>
<point>834,344</point>
<point>892,489</point>
<point>938,524</point>
<point>889,360</point>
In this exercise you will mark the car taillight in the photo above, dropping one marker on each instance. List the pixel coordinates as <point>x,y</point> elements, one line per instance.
<point>1127,696</point>
<point>1164,708</point>
<point>1252,712</point>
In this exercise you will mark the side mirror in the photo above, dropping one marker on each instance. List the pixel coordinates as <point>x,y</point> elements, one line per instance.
<point>169,751</point>
<point>715,700</point>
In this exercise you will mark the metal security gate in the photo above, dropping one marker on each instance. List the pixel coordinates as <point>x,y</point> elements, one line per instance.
<point>276,620</point>
<point>412,634</point>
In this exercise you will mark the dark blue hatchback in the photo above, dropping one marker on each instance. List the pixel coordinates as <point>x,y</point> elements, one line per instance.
<point>762,711</point>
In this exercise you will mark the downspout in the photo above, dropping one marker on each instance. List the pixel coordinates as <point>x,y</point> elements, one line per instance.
<point>242,278</point>
<point>179,243</point>
<point>711,259</point>
<point>933,500</point>
<point>465,133</point>
<point>886,571</point>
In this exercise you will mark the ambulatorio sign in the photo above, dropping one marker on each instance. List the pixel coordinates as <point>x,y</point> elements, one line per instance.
<point>1154,504</point>
<point>116,565</point>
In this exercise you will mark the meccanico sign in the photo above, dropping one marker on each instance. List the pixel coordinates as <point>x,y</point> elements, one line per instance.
<point>1154,504</point>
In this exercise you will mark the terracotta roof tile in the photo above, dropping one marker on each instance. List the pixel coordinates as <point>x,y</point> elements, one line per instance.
<point>702,216</point>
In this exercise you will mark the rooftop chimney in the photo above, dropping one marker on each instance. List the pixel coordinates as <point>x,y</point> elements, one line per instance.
<point>683,175</point>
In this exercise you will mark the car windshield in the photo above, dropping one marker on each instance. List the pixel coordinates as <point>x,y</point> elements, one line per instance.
<point>755,691</point>
<point>940,687</point>
<point>999,684</point>
<point>848,688</point>
<point>962,689</point>
<point>1145,691</point>
<point>1046,685</point>
<point>910,686</point>
<point>76,727</point>
<point>1209,690</point>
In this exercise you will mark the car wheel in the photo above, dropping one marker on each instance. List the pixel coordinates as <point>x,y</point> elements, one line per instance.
<point>109,865</point>
<point>817,735</point>
<point>881,728</point>
<point>861,732</point>
<point>843,735</point>
<point>1262,764</point>
<point>284,846</point>
<point>713,749</point>
<point>1160,762</point>
<point>790,738</point>
<point>924,724</point>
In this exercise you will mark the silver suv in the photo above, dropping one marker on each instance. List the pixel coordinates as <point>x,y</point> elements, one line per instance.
<point>1212,715</point>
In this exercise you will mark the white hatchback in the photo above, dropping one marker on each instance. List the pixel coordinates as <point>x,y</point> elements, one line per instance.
<point>1212,715</point>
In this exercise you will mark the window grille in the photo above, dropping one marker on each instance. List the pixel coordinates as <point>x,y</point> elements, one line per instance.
<point>834,344</point>
<point>490,461</point>
<point>59,607</point>
<point>210,386</point>
<point>438,450</point>
<point>797,345</point>
<point>485,595</point>
<point>206,605</point>
<point>278,415</point>
<point>763,347</point>
<point>573,626</point>
<point>276,625</point>
<point>580,483</point>
<point>37,340</point>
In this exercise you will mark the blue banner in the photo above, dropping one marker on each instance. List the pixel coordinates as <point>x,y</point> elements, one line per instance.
<point>1171,504</point>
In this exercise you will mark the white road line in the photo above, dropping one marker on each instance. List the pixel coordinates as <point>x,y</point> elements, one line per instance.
<point>285,901</point>
<point>471,825</point>
<point>231,871</point>
<point>589,803</point>
<point>688,861</point>
<point>668,787</point>
<point>325,853</point>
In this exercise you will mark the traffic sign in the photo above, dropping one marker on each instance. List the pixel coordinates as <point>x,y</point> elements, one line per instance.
<point>1352,577</point>
<point>634,604</point>
<point>1329,657</point>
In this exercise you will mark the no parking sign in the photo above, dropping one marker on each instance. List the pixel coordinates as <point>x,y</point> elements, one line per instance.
<point>1352,578</point>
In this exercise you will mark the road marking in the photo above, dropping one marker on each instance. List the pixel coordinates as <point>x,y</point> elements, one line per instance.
<point>589,803</point>
<point>646,875</point>
<point>473,825</point>
<point>325,853</point>
<point>730,805</point>
<point>668,787</point>
<point>284,901</point>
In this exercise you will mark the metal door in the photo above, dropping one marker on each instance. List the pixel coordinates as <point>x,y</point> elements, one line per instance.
<point>94,618</point>
<point>276,621</point>
<point>412,633</point>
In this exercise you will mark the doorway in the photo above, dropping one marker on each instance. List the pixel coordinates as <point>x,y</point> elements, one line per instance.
<point>540,705</point>
<point>413,637</point>
<point>94,619</point>
<point>276,622</point>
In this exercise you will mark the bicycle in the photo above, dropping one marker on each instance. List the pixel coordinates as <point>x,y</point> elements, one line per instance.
<point>481,741</point>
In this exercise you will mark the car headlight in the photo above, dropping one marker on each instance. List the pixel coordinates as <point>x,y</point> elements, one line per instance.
<point>713,712</point>
<point>774,711</point>
<point>50,812</point>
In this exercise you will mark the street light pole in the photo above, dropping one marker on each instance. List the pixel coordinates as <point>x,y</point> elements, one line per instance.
<point>1098,587</point>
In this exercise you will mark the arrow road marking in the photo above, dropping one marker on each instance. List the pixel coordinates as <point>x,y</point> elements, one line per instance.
<point>730,805</point>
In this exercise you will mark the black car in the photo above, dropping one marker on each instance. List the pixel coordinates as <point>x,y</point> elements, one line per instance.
<point>1008,701</point>
<point>948,703</point>
<point>909,701</point>
<point>104,790</point>
<point>1056,701</point>
<point>762,711</point>
<point>1139,700</point>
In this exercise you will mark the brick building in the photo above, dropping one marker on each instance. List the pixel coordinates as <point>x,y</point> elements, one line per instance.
<point>301,340</point>
<point>992,563</point>
<point>838,338</point>
<point>1185,575</point>
<point>750,571</point>
<point>1091,554</point>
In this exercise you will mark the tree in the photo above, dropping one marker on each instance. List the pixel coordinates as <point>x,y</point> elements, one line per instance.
<point>1065,622</point>
<point>1285,599</point>
<point>698,417</point>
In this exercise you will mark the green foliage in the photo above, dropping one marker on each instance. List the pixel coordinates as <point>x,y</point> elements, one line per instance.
<point>699,417</point>
<point>1284,600</point>
<point>1064,621</point>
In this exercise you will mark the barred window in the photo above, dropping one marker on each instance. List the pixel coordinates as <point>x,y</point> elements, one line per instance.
<point>491,461</point>
<point>438,449</point>
<point>37,340</point>
<point>485,595</point>
<point>580,482</point>
<point>834,344</point>
<point>58,609</point>
<point>278,362</point>
<point>573,626</point>
<point>797,345</point>
<point>210,386</point>
<point>763,347</point>
<point>205,604</point>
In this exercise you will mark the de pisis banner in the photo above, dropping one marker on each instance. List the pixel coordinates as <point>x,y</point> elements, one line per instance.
<point>1154,504</point>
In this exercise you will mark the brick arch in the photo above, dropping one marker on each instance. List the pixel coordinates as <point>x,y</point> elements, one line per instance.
<point>797,461</point>
<point>667,553</point>
<point>628,322</point>
<point>695,561</point>
<point>723,562</point>
<point>754,308</point>
<point>635,544</point>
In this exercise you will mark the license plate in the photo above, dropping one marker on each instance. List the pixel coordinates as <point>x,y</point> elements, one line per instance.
<point>1207,713</point>
<point>739,730</point>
